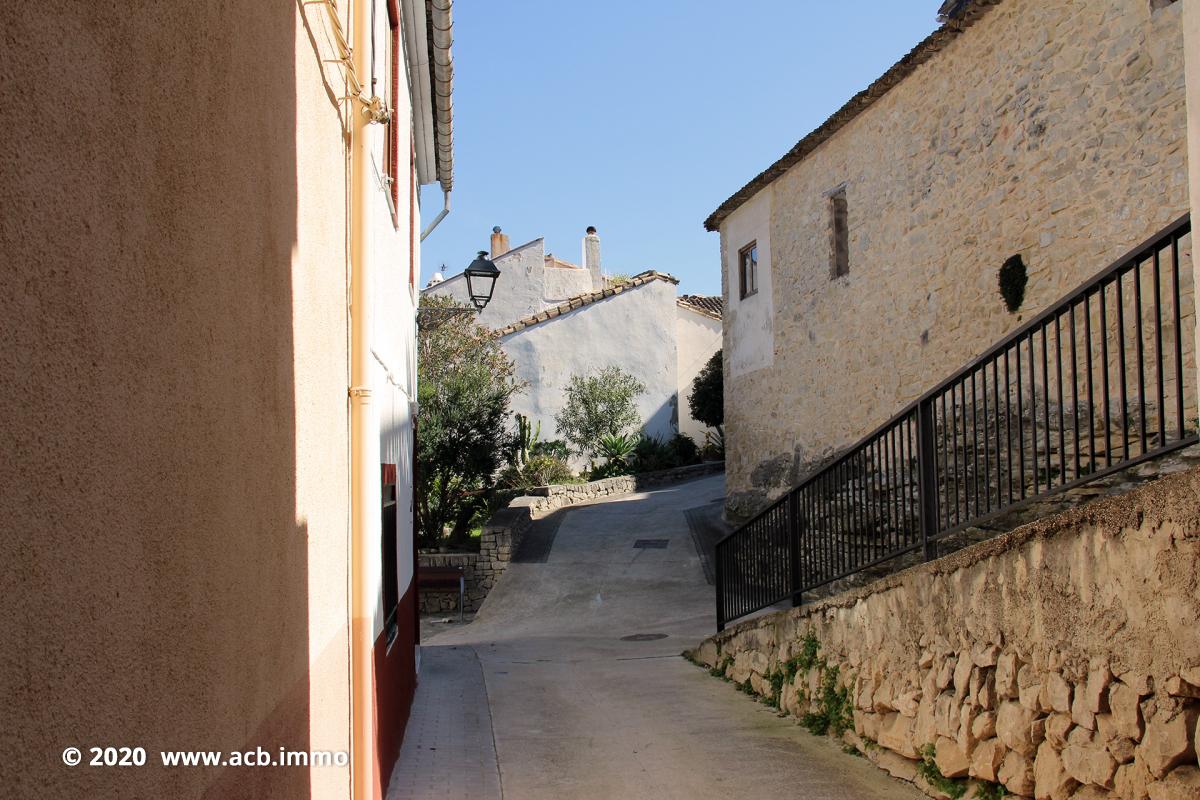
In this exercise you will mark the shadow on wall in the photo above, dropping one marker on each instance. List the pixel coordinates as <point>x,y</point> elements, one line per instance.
<point>154,574</point>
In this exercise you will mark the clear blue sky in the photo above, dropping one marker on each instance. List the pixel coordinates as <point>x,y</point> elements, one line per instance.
<point>642,117</point>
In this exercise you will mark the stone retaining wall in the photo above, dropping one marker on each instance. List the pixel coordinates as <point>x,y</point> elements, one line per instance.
<point>498,542</point>
<point>548,498</point>
<point>1061,660</point>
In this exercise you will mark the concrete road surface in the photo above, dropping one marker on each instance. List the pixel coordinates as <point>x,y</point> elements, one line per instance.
<point>578,712</point>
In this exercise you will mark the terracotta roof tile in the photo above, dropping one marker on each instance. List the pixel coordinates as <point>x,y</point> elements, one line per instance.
<point>709,306</point>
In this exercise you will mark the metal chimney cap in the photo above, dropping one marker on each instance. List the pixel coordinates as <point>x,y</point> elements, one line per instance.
<point>591,230</point>
<point>495,229</point>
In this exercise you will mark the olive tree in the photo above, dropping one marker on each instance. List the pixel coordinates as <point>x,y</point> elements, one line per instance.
<point>465,383</point>
<point>598,405</point>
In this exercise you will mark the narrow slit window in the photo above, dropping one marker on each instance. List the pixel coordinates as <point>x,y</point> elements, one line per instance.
<point>748,270</point>
<point>839,234</point>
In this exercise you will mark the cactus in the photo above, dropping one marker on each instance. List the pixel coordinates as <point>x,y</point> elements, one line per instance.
<point>527,437</point>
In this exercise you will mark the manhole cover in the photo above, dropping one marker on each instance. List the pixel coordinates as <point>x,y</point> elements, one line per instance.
<point>643,637</point>
<point>652,544</point>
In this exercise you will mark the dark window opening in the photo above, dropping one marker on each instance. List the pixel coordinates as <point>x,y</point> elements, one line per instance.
<point>391,582</point>
<point>1155,5</point>
<point>839,234</point>
<point>748,270</point>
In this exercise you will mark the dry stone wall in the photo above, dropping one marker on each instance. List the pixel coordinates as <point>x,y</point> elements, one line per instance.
<point>1061,660</point>
<point>498,542</point>
<point>548,498</point>
<point>1055,130</point>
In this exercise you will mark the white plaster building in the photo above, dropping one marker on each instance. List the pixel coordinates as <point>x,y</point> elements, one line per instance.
<point>556,319</point>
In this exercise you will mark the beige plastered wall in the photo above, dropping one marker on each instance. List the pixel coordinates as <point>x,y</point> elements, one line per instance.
<point>1051,130</point>
<point>173,559</point>
<point>697,337</point>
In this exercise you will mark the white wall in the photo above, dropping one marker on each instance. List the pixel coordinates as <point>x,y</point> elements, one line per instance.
<point>625,330</point>
<point>519,290</point>
<point>751,342</point>
<point>563,283</point>
<point>697,337</point>
<point>393,333</point>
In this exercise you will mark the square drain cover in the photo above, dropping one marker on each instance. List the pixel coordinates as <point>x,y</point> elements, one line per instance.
<point>652,544</point>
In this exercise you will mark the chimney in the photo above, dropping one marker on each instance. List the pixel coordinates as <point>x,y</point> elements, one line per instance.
<point>591,257</point>
<point>499,242</point>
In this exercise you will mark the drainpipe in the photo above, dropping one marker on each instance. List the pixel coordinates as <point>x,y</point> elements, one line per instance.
<point>441,215</point>
<point>364,442</point>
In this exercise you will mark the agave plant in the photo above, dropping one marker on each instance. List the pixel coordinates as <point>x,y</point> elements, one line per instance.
<point>617,450</point>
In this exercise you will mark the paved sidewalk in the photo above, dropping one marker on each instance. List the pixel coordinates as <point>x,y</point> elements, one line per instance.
<point>589,698</point>
<point>448,751</point>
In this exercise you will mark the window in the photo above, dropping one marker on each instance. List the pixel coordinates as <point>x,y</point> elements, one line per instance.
<point>748,270</point>
<point>839,234</point>
<point>391,583</point>
<point>391,157</point>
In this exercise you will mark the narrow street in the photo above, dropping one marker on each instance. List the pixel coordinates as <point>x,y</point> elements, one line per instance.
<point>575,708</point>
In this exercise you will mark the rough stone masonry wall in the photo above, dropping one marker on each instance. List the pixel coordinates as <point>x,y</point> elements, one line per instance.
<point>1060,660</point>
<point>1055,129</point>
<point>498,543</point>
<point>548,498</point>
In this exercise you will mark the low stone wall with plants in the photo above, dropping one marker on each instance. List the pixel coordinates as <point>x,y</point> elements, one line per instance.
<point>1060,660</point>
<point>548,498</point>
<point>498,542</point>
<point>502,534</point>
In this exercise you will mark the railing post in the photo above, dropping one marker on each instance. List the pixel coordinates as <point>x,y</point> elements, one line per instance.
<point>927,490</point>
<point>794,547</point>
<point>720,581</point>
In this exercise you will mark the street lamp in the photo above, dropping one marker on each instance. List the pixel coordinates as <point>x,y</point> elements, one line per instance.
<point>481,282</point>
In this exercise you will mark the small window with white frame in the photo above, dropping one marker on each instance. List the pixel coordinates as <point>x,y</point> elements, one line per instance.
<point>748,270</point>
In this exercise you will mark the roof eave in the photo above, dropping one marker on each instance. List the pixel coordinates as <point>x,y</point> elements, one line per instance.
<point>965,15</point>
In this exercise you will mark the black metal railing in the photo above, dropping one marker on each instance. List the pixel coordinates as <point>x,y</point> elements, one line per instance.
<point>1099,382</point>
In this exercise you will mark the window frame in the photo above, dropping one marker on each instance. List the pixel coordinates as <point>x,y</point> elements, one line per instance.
<point>389,543</point>
<point>391,157</point>
<point>748,288</point>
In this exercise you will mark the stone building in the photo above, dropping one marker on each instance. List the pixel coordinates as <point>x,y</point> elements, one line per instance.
<point>557,319</point>
<point>862,266</point>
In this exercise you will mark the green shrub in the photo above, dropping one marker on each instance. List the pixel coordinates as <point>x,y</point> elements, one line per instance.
<point>714,446</point>
<point>684,450</point>
<point>552,447</point>
<point>537,471</point>
<point>609,470</point>
<point>835,712</point>
<point>652,454</point>
<point>928,769</point>
<point>1013,278</point>
<point>707,400</point>
<point>990,791</point>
